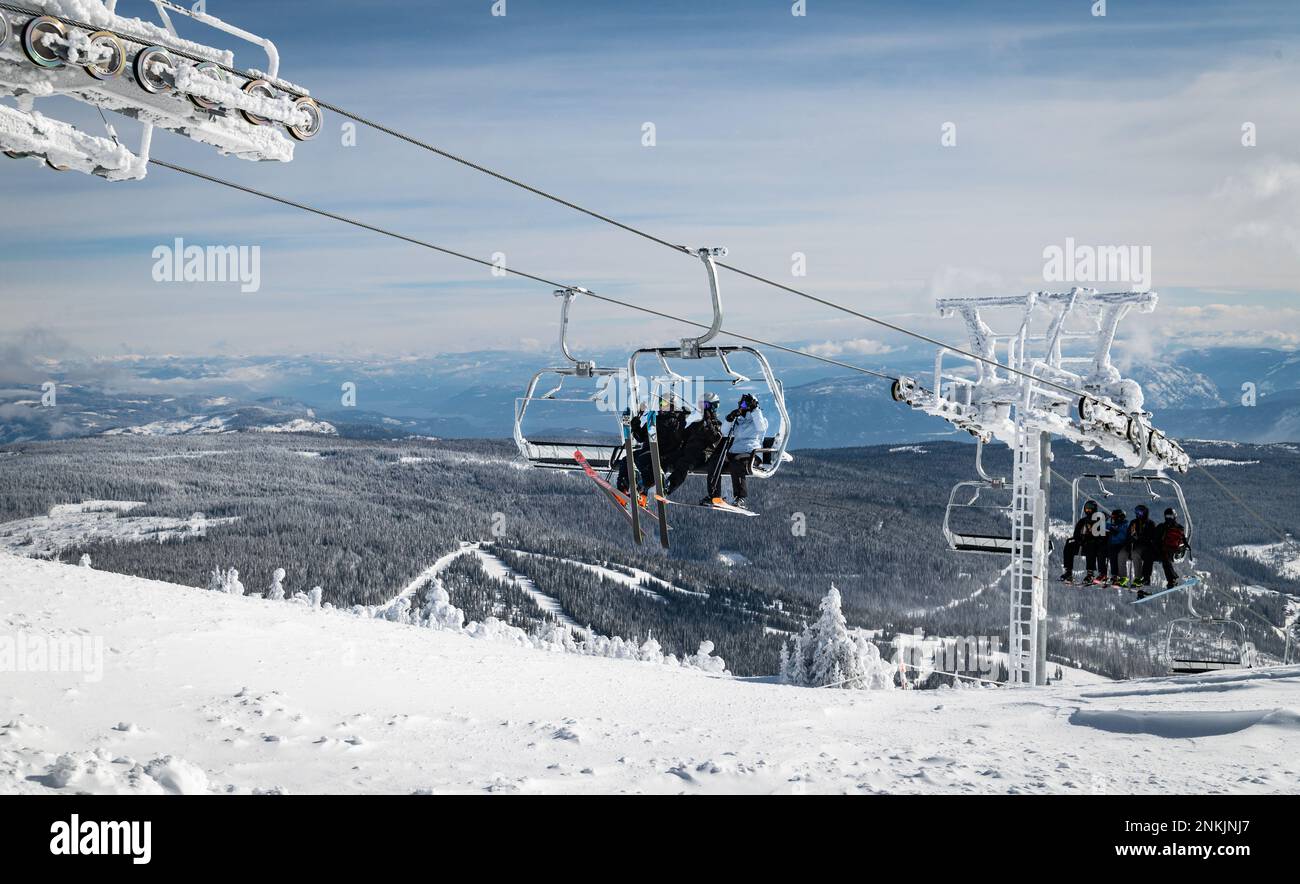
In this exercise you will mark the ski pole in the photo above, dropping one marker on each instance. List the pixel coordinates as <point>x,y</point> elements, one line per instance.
<point>715,475</point>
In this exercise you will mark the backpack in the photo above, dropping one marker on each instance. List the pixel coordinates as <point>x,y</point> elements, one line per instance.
<point>1175,539</point>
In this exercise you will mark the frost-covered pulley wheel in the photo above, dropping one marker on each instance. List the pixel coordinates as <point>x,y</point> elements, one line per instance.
<point>37,38</point>
<point>15,155</point>
<point>1135,432</point>
<point>56,167</point>
<point>260,89</point>
<point>113,54</point>
<point>1086,409</point>
<point>4,29</point>
<point>316,119</point>
<point>150,65</point>
<point>207,69</point>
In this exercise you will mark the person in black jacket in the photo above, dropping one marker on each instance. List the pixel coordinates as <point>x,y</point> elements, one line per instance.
<point>670,421</point>
<point>1089,538</point>
<point>699,441</point>
<point>1168,544</point>
<point>1141,536</point>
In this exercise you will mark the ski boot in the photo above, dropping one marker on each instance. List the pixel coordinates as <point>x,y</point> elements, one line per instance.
<point>1068,578</point>
<point>739,502</point>
<point>1142,593</point>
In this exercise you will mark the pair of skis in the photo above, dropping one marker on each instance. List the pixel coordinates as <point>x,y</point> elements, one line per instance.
<point>630,505</point>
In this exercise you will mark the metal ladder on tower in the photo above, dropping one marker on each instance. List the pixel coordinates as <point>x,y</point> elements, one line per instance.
<point>1030,537</point>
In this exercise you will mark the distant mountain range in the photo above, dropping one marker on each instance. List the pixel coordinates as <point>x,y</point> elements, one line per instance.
<point>1194,394</point>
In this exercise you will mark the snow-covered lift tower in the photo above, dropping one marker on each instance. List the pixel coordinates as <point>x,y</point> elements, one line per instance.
<point>1061,343</point>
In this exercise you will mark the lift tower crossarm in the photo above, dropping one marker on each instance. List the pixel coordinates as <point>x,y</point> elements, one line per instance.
<point>1056,334</point>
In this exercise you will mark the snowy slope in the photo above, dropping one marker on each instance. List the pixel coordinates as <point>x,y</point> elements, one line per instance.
<point>205,691</point>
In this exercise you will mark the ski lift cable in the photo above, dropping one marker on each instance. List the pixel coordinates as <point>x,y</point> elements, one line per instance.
<point>520,273</point>
<point>515,182</point>
<point>554,285</point>
<point>1286,541</point>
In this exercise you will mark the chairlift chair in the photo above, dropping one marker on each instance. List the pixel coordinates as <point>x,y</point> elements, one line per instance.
<point>1131,478</point>
<point>1200,643</point>
<point>972,492</point>
<point>557,454</point>
<point>773,453</point>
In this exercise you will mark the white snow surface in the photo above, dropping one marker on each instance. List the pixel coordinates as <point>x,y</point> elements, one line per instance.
<point>206,692</point>
<point>75,524</point>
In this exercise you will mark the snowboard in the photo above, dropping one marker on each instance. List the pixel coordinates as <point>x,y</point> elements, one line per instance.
<point>1185,583</point>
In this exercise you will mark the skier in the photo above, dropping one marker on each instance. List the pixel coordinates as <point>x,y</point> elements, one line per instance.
<point>1088,531</point>
<point>1169,544</point>
<point>748,432</point>
<point>699,441</point>
<point>1116,541</point>
<point>669,422</point>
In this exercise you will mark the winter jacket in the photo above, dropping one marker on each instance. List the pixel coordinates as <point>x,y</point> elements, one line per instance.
<point>1165,543</point>
<point>700,440</point>
<point>639,431</point>
<point>1090,527</point>
<point>748,431</point>
<point>1117,534</point>
<point>669,426</point>
<point>1141,533</point>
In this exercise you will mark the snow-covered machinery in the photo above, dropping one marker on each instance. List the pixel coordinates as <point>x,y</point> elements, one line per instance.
<point>85,50</point>
<point>1019,392</point>
<point>554,453</point>
<point>773,453</point>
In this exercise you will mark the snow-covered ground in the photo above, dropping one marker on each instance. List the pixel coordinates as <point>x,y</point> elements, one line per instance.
<point>731,559</point>
<point>205,691</point>
<point>1282,557</point>
<point>75,524</point>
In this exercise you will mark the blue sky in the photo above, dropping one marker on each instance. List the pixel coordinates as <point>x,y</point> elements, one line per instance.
<point>775,134</point>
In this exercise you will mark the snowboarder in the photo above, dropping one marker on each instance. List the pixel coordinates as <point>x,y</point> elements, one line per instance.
<point>1168,545</point>
<point>1089,534</point>
<point>699,441</point>
<point>748,432</point>
<point>1141,532</point>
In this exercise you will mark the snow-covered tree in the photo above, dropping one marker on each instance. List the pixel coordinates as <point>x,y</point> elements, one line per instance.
<point>85,560</point>
<point>276,590</point>
<point>439,612</point>
<point>826,653</point>
<point>704,659</point>
<point>651,651</point>
<point>783,674</point>
<point>230,583</point>
<point>216,580</point>
<point>797,672</point>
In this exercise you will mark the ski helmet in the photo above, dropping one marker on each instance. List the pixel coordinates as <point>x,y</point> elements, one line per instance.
<point>1141,511</point>
<point>1091,507</point>
<point>709,401</point>
<point>748,402</point>
<point>1118,515</point>
<point>1171,513</point>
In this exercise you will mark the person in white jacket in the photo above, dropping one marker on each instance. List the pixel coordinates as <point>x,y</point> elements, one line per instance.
<point>748,433</point>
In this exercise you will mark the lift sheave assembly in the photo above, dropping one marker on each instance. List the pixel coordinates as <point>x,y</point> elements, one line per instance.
<point>87,51</point>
